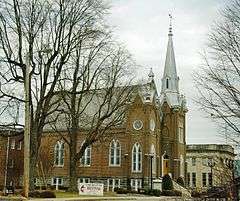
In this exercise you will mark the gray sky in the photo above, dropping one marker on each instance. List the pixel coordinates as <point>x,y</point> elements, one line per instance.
<point>142,25</point>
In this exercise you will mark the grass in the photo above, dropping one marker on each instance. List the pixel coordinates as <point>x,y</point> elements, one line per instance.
<point>62,194</point>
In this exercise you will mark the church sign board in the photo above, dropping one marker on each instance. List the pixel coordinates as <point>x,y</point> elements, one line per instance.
<point>90,189</point>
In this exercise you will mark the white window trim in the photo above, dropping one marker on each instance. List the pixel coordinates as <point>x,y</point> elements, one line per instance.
<point>85,158</point>
<point>113,184</point>
<point>115,154</point>
<point>135,182</point>
<point>138,121</point>
<point>138,146</point>
<point>57,182</point>
<point>84,180</point>
<point>57,163</point>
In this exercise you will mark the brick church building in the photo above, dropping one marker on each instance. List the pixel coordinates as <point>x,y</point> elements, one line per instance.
<point>150,144</point>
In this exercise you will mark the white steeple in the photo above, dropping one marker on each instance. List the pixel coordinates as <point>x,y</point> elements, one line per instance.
<point>170,78</point>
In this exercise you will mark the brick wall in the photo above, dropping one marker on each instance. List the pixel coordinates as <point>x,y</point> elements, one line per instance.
<point>99,170</point>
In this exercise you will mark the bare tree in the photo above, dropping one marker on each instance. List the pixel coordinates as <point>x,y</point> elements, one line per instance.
<point>94,96</point>
<point>218,82</point>
<point>43,34</point>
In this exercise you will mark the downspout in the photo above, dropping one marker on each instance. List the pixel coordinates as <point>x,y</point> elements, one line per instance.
<point>6,167</point>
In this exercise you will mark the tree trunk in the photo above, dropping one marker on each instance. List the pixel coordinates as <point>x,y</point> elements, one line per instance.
<point>72,161</point>
<point>73,186</point>
<point>34,146</point>
<point>32,172</point>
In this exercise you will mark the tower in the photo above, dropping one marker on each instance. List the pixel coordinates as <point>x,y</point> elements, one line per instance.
<point>173,106</point>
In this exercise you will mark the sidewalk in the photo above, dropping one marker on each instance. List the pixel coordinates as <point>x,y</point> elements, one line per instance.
<point>162,198</point>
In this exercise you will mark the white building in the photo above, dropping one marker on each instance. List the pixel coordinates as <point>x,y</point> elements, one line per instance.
<point>209,165</point>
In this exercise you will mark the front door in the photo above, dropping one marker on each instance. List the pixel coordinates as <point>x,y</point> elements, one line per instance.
<point>165,166</point>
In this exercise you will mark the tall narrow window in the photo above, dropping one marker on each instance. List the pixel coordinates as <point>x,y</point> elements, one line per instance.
<point>86,158</point>
<point>167,83</point>
<point>193,179</point>
<point>153,158</point>
<point>115,153</point>
<point>204,179</point>
<point>59,153</point>
<point>136,158</point>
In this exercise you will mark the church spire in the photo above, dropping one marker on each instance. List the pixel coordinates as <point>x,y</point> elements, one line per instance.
<point>170,78</point>
<point>170,25</point>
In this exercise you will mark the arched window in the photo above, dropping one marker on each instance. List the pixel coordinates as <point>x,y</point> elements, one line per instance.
<point>59,153</point>
<point>136,158</point>
<point>167,83</point>
<point>153,153</point>
<point>85,160</point>
<point>115,153</point>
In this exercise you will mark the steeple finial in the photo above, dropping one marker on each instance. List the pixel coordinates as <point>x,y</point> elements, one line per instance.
<point>151,75</point>
<point>170,25</point>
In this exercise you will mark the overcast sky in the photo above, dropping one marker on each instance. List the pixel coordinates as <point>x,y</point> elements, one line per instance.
<point>142,25</point>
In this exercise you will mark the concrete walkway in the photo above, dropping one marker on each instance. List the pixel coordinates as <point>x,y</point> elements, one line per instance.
<point>145,198</point>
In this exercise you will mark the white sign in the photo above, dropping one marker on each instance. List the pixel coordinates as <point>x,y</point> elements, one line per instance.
<point>90,189</point>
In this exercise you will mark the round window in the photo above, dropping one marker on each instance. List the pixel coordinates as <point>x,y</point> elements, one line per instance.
<point>137,124</point>
<point>152,125</point>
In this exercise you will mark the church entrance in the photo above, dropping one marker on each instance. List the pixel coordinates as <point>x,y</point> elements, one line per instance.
<point>165,165</point>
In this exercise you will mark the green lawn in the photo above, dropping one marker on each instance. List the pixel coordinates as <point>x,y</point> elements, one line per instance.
<point>62,194</point>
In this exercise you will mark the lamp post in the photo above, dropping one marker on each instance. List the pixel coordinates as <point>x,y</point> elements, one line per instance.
<point>127,171</point>
<point>151,175</point>
<point>211,164</point>
<point>6,167</point>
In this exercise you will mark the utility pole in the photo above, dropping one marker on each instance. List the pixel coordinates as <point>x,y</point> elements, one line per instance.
<point>27,127</point>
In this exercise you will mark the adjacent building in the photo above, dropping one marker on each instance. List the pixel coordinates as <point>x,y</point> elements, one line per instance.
<point>209,165</point>
<point>11,160</point>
